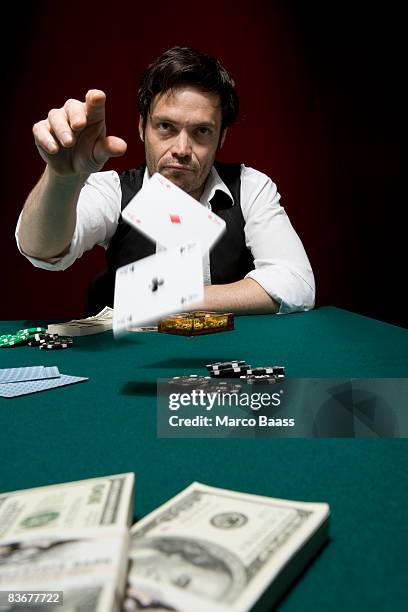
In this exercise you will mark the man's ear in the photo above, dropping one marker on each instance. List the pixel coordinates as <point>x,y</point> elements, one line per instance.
<point>222,139</point>
<point>141,130</point>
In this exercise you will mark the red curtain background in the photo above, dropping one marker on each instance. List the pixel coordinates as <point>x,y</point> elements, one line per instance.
<point>320,89</point>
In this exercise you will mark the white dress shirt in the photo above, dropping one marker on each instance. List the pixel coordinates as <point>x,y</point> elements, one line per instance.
<point>282,267</point>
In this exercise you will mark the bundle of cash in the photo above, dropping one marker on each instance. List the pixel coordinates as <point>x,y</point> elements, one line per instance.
<point>205,550</point>
<point>84,327</point>
<point>214,550</point>
<point>68,540</point>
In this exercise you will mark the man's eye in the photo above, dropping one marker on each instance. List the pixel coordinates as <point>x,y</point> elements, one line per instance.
<point>203,131</point>
<point>164,126</point>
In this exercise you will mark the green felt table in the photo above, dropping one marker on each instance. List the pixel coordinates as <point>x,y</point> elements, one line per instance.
<point>107,425</point>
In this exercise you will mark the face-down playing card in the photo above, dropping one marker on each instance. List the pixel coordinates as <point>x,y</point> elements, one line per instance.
<point>158,285</point>
<point>168,215</point>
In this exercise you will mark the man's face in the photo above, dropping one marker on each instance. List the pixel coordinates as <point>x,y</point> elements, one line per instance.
<point>181,136</point>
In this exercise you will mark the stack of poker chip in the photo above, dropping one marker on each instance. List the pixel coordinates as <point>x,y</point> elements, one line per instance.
<point>191,380</point>
<point>22,336</point>
<point>228,369</point>
<point>194,381</point>
<point>53,342</point>
<point>36,336</point>
<point>246,373</point>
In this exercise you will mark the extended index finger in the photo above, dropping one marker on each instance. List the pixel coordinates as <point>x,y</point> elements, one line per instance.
<point>95,106</point>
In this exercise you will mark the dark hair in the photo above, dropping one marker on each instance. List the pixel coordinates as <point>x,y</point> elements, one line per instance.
<point>182,65</point>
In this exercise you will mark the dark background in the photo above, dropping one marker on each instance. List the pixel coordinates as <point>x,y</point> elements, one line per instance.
<point>322,112</point>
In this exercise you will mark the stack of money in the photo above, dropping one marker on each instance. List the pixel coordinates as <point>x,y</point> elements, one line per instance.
<point>205,550</point>
<point>84,327</point>
<point>214,550</point>
<point>68,540</point>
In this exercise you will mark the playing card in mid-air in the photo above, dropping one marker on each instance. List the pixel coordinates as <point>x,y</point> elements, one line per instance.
<point>168,215</point>
<point>158,285</point>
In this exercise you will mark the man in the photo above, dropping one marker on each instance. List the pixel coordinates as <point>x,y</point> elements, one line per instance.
<point>187,101</point>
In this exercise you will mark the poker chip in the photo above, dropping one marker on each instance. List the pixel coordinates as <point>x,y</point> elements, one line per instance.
<point>189,381</point>
<point>31,330</point>
<point>222,365</point>
<point>59,338</point>
<point>222,386</point>
<point>51,341</point>
<point>260,371</point>
<point>5,338</point>
<point>54,345</point>
<point>36,336</point>
<point>279,371</point>
<point>48,336</point>
<point>232,372</point>
<point>242,370</point>
<point>14,340</point>
<point>54,342</point>
<point>37,339</point>
<point>261,379</point>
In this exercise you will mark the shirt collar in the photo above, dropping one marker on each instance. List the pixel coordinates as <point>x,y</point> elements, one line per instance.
<point>213,184</point>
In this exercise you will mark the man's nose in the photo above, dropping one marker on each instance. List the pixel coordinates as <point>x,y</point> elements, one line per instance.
<point>182,144</point>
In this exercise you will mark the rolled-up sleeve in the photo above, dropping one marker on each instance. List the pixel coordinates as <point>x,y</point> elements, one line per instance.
<point>282,267</point>
<point>98,212</point>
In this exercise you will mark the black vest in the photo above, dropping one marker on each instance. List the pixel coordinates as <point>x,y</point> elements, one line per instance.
<point>230,260</point>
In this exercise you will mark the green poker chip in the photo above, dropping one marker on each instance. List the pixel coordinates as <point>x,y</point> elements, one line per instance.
<point>15,340</point>
<point>30,330</point>
<point>5,337</point>
<point>22,336</point>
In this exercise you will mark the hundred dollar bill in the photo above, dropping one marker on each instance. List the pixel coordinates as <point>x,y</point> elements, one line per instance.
<point>214,550</point>
<point>71,537</point>
<point>61,508</point>
<point>84,327</point>
<point>90,572</point>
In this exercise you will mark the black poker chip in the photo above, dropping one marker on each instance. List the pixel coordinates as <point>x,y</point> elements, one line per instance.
<point>42,338</point>
<point>222,386</point>
<point>233,372</point>
<point>59,343</point>
<point>58,338</point>
<point>52,342</point>
<point>192,380</point>
<point>260,379</point>
<point>37,339</point>
<point>279,371</point>
<point>55,346</point>
<point>261,371</point>
<point>225,365</point>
